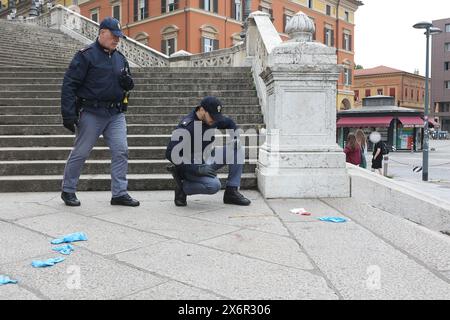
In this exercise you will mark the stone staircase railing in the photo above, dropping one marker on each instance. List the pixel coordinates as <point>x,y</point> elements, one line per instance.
<point>139,55</point>
<point>261,35</point>
<point>86,31</point>
<point>261,39</point>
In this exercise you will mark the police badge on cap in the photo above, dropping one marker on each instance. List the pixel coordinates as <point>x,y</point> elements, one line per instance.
<point>213,106</point>
<point>113,25</point>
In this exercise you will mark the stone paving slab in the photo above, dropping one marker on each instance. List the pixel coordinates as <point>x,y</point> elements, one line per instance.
<point>210,250</point>
<point>173,290</point>
<point>169,225</point>
<point>429,246</point>
<point>15,292</point>
<point>255,220</point>
<point>100,278</point>
<point>269,247</point>
<point>361,266</point>
<point>14,207</point>
<point>230,275</point>
<point>103,237</point>
<point>18,243</point>
<point>317,209</point>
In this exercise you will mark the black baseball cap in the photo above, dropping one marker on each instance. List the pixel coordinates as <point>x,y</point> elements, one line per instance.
<point>113,25</point>
<point>213,106</point>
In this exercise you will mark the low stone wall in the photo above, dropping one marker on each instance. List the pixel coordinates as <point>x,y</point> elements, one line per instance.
<point>386,194</point>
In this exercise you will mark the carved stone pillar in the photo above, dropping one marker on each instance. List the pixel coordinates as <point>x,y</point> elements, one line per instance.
<point>300,158</point>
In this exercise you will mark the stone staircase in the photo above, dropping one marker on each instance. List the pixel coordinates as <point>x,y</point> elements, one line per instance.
<point>31,45</point>
<point>34,145</point>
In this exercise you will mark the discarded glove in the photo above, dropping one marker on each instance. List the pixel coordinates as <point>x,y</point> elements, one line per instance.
<point>47,263</point>
<point>333,219</point>
<point>300,211</point>
<point>6,280</point>
<point>65,249</point>
<point>77,236</point>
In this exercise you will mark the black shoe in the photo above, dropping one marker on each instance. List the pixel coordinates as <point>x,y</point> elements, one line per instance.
<point>180,196</point>
<point>70,199</point>
<point>125,200</point>
<point>233,196</point>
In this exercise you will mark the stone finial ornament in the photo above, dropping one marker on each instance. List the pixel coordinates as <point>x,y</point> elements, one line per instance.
<point>300,28</point>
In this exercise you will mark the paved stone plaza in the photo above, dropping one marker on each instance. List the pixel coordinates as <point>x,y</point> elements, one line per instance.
<point>209,250</point>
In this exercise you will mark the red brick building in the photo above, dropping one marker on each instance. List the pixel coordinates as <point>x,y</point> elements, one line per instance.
<point>204,25</point>
<point>408,89</point>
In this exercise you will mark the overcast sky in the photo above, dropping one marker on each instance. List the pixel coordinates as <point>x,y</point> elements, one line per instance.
<point>384,34</point>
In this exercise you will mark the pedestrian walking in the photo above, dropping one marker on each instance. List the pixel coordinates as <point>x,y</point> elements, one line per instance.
<point>93,101</point>
<point>362,142</point>
<point>352,150</point>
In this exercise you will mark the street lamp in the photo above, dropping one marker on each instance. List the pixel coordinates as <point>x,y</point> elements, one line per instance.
<point>430,30</point>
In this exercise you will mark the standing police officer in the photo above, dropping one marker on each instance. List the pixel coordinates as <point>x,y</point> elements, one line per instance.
<point>93,101</point>
<point>193,174</point>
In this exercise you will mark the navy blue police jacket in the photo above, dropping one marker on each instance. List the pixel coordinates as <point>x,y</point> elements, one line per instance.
<point>187,123</point>
<point>93,75</point>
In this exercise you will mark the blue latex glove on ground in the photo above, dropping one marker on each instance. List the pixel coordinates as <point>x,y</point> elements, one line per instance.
<point>47,263</point>
<point>6,280</point>
<point>77,236</point>
<point>65,249</point>
<point>333,219</point>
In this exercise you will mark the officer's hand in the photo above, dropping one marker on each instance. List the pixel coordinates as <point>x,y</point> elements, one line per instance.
<point>125,81</point>
<point>70,124</point>
<point>206,170</point>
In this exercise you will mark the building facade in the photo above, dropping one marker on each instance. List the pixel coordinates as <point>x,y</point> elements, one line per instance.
<point>399,127</point>
<point>408,89</point>
<point>200,26</point>
<point>440,71</point>
<point>204,25</point>
<point>22,7</point>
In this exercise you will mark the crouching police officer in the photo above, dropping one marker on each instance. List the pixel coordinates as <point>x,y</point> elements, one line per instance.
<point>93,100</point>
<point>192,173</point>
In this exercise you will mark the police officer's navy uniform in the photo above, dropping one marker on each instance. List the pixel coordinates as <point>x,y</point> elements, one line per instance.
<point>93,97</point>
<point>192,182</point>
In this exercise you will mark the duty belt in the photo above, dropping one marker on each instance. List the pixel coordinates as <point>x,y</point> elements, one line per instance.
<point>99,103</point>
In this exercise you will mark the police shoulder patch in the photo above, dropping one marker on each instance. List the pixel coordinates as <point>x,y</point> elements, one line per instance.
<point>85,49</point>
<point>186,121</point>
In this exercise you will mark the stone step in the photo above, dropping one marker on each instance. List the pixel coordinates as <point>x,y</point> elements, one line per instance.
<point>21,63</point>
<point>91,167</point>
<point>41,43</point>
<point>68,140</point>
<point>37,59</point>
<point>189,70</point>
<point>98,153</point>
<point>137,94</point>
<point>188,101</point>
<point>137,75</point>
<point>131,119</point>
<point>136,182</point>
<point>138,81</point>
<point>132,129</point>
<point>56,110</point>
<point>37,50</point>
<point>18,26</point>
<point>41,86</point>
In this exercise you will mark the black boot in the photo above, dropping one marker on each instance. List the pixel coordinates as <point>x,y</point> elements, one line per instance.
<point>180,196</point>
<point>124,200</point>
<point>233,196</point>
<point>70,199</point>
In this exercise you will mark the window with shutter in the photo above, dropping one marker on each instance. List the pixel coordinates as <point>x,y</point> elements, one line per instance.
<point>135,10</point>
<point>116,12</point>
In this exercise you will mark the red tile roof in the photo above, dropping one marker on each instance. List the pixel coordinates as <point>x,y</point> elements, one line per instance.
<point>376,70</point>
